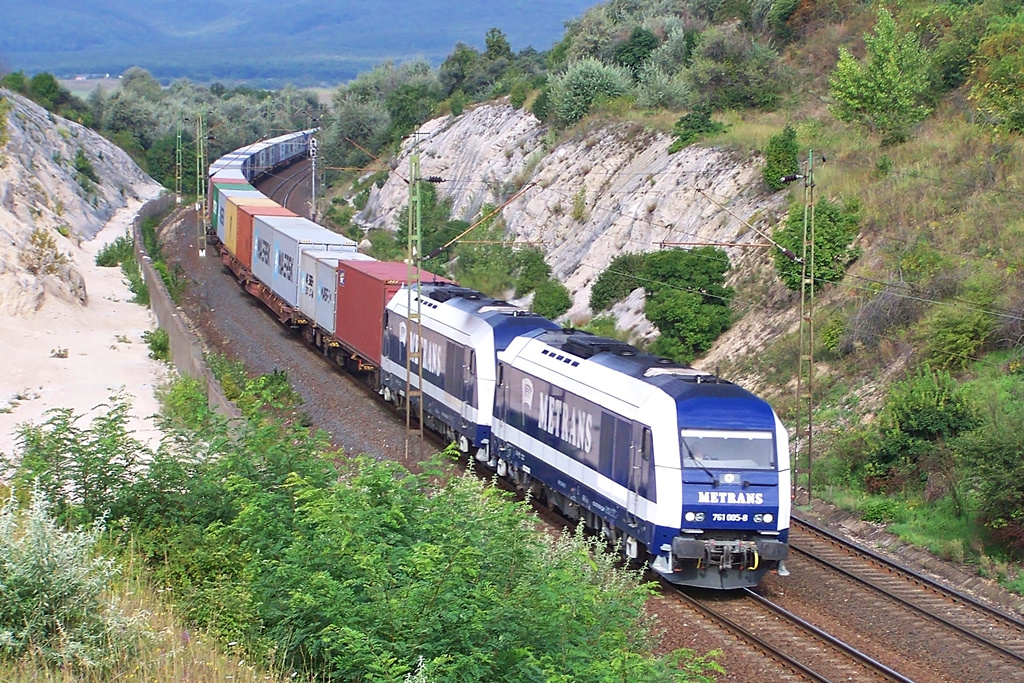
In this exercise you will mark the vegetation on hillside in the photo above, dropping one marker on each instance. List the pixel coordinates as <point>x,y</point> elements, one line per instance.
<point>333,567</point>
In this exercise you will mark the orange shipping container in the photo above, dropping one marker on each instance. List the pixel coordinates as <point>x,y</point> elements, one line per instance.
<point>244,228</point>
<point>231,219</point>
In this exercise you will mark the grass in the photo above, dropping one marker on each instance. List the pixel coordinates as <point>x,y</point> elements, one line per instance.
<point>170,651</point>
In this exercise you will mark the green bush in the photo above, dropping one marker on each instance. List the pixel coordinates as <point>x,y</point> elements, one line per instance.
<point>532,270</point>
<point>835,228</point>
<point>927,407</point>
<point>881,511</point>
<point>690,127</point>
<point>551,299</point>
<point>53,594</point>
<point>617,281</point>
<point>117,252</point>
<point>541,107</point>
<point>955,336</point>
<point>586,83</point>
<point>730,70</point>
<point>687,300</point>
<point>990,458</point>
<point>84,168</point>
<point>687,324</point>
<point>159,343</point>
<point>781,160</point>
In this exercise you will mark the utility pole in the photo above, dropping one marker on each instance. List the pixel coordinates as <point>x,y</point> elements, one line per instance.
<point>201,185</point>
<point>178,165</point>
<point>414,335</point>
<point>805,377</point>
<point>313,145</point>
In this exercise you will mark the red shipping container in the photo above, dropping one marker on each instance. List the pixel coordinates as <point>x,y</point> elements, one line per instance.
<point>364,290</point>
<point>244,237</point>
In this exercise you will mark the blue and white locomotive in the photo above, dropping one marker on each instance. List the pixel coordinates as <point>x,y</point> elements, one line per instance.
<point>461,332</point>
<point>674,466</point>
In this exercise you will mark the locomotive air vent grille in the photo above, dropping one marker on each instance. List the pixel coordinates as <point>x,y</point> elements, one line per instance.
<point>557,356</point>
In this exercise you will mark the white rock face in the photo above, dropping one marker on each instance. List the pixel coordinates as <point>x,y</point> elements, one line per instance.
<point>609,190</point>
<point>40,190</point>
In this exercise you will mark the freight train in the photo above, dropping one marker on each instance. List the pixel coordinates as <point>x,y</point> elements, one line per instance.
<point>674,466</point>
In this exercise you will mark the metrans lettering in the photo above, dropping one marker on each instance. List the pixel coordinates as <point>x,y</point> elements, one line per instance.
<point>568,423</point>
<point>730,497</point>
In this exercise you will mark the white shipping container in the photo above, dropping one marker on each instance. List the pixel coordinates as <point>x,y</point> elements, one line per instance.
<point>291,236</point>
<point>220,207</point>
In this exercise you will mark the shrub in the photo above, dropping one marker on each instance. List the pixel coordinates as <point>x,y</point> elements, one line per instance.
<point>541,106</point>
<point>688,326</point>
<point>997,82</point>
<point>956,335</point>
<point>658,89</point>
<point>881,511</point>
<point>732,71</point>
<point>117,252</point>
<point>617,281</point>
<point>781,160</point>
<point>586,83</point>
<point>989,457</point>
<point>687,300</point>
<point>159,343</point>
<point>926,407</point>
<point>83,166</point>
<point>835,228</point>
<point>52,587</point>
<point>634,52</point>
<point>533,270</point>
<point>42,257</point>
<point>579,205</point>
<point>690,127</point>
<point>551,299</point>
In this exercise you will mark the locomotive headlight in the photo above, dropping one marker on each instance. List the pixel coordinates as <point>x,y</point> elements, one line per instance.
<point>690,517</point>
<point>768,517</point>
<point>758,518</point>
<point>700,516</point>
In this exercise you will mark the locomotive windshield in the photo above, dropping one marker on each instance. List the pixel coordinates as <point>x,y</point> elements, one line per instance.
<point>704,449</point>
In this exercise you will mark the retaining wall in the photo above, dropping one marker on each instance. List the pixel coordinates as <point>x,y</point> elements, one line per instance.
<point>186,349</point>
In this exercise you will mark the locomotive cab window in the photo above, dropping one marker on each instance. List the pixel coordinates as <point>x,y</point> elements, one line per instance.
<point>735,450</point>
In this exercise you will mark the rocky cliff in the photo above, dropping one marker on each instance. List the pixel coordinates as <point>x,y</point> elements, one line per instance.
<point>607,189</point>
<point>59,182</point>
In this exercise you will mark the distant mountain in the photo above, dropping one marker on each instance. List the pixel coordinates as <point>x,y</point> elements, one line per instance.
<point>302,42</point>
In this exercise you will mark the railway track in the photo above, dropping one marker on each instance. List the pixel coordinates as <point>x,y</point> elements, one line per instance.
<point>290,187</point>
<point>988,643</point>
<point>802,651</point>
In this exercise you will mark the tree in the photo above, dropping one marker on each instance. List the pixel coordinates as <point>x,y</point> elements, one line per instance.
<point>498,46</point>
<point>781,154</point>
<point>887,93</point>
<point>687,299</point>
<point>44,89</point>
<point>617,281</point>
<point>634,52</point>
<point>688,325</point>
<point>532,270</point>
<point>835,228</point>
